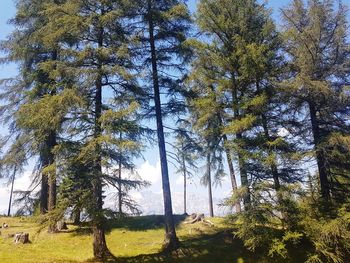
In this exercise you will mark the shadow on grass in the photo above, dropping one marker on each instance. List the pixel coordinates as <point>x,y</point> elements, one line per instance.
<point>216,248</point>
<point>220,247</point>
<point>139,223</point>
<point>142,223</point>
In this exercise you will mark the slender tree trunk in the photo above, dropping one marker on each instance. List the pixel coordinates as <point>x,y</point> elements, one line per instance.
<point>241,161</point>
<point>185,183</point>
<point>11,193</point>
<point>120,193</point>
<point>210,193</point>
<point>100,249</point>
<point>232,172</point>
<point>50,160</point>
<point>171,241</point>
<point>244,176</point>
<point>43,190</point>
<point>273,167</point>
<point>52,187</point>
<point>230,165</point>
<point>320,155</point>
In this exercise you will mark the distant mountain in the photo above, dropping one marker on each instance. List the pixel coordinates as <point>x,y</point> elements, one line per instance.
<point>152,203</point>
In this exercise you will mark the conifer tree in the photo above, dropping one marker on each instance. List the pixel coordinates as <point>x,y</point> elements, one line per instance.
<point>163,29</point>
<point>33,83</point>
<point>318,49</point>
<point>243,68</point>
<point>100,64</point>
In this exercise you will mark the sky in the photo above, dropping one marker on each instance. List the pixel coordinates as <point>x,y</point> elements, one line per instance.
<point>149,167</point>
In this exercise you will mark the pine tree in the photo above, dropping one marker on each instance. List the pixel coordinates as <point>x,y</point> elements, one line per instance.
<point>184,157</point>
<point>317,47</point>
<point>95,43</point>
<point>162,28</point>
<point>25,47</point>
<point>242,64</point>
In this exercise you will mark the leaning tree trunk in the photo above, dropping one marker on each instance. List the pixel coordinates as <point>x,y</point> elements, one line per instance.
<point>320,155</point>
<point>11,193</point>
<point>210,193</point>
<point>171,241</point>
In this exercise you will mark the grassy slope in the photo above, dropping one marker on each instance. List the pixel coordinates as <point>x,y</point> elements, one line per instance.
<point>131,240</point>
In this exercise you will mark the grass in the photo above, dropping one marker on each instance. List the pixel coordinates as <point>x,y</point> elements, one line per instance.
<point>136,239</point>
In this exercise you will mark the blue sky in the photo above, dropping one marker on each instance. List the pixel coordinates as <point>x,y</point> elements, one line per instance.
<point>149,168</point>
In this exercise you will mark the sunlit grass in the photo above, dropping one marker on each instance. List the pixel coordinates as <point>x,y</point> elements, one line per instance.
<point>130,240</point>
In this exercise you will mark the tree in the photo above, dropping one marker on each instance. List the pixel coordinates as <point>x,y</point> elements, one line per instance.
<point>26,47</point>
<point>318,51</point>
<point>184,156</point>
<point>164,28</point>
<point>95,43</point>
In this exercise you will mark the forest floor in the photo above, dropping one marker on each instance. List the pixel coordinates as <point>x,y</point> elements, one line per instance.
<point>137,239</point>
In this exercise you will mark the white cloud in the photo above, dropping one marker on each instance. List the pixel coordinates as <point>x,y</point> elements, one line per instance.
<point>22,182</point>
<point>150,172</point>
<point>179,180</point>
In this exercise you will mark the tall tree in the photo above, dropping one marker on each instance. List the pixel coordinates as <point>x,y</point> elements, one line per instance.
<point>164,27</point>
<point>27,49</point>
<point>100,63</point>
<point>318,51</point>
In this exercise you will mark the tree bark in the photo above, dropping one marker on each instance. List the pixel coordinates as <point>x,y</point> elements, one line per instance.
<point>320,156</point>
<point>185,182</point>
<point>100,249</point>
<point>120,193</point>
<point>76,216</point>
<point>232,172</point>
<point>241,161</point>
<point>273,167</point>
<point>52,184</point>
<point>43,191</point>
<point>171,241</point>
<point>210,193</point>
<point>11,193</point>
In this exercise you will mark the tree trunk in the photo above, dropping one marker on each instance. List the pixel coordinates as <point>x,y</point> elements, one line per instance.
<point>185,183</point>
<point>241,161</point>
<point>230,165</point>
<point>43,191</point>
<point>171,241</point>
<point>100,249</point>
<point>232,172</point>
<point>76,216</point>
<point>320,156</point>
<point>210,193</point>
<point>52,188</point>
<point>244,177</point>
<point>273,167</point>
<point>120,193</point>
<point>11,193</point>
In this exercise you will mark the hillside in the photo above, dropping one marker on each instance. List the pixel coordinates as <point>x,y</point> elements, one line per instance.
<point>130,240</point>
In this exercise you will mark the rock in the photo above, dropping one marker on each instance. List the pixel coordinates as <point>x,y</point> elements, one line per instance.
<point>61,226</point>
<point>22,238</point>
